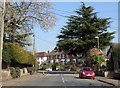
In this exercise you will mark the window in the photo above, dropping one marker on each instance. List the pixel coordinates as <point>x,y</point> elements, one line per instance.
<point>37,58</point>
<point>41,58</point>
<point>60,56</point>
<point>87,69</point>
<point>56,56</point>
<point>51,57</point>
<point>63,56</point>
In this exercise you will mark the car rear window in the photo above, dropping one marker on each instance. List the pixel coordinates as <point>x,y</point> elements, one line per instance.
<point>87,69</point>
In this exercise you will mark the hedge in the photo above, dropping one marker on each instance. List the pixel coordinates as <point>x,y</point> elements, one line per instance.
<point>17,54</point>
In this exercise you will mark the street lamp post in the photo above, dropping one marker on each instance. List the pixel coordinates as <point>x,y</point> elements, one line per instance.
<point>97,41</point>
<point>98,49</point>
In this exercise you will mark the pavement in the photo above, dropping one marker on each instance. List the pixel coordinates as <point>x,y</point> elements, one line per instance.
<point>20,79</point>
<point>110,81</point>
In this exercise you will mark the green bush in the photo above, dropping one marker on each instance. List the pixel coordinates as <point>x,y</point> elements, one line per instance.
<point>31,70</point>
<point>73,68</point>
<point>18,71</point>
<point>68,67</point>
<point>19,54</point>
<point>97,59</point>
<point>44,67</point>
<point>49,65</point>
<point>31,59</point>
<point>13,72</point>
<point>14,55</point>
<point>59,67</point>
<point>6,55</point>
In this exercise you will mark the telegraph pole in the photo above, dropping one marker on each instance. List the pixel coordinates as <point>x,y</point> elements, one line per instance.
<point>1,41</point>
<point>34,49</point>
<point>33,44</point>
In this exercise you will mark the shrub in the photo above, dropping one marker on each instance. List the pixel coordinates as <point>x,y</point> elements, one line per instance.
<point>6,55</point>
<point>97,59</point>
<point>18,71</point>
<point>31,59</point>
<point>73,68</point>
<point>49,65</point>
<point>31,70</point>
<point>59,67</point>
<point>19,54</point>
<point>13,53</point>
<point>13,72</point>
<point>66,67</point>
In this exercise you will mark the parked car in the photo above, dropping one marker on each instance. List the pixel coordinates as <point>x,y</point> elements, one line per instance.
<point>87,72</point>
<point>48,69</point>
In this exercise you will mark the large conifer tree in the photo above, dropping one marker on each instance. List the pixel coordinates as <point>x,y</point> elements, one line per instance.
<point>78,36</point>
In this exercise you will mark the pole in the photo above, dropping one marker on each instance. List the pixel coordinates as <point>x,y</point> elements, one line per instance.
<point>1,41</point>
<point>98,41</point>
<point>33,44</point>
<point>98,65</point>
<point>34,50</point>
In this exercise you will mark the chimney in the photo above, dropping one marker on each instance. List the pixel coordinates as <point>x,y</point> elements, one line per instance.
<point>48,51</point>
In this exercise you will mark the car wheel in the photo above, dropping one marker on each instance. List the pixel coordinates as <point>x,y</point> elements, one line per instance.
<point>92,78</point>
<point>80,76</point>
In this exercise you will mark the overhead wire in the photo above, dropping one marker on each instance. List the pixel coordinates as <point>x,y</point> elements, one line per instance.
<point>73,13</point>
<point>44,40</point>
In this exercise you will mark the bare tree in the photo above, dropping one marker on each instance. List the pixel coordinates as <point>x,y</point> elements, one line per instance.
<point>21,17</point>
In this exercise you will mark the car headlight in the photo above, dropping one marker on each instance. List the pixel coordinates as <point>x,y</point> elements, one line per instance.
<point>93,73</point>
<point>84,73</point>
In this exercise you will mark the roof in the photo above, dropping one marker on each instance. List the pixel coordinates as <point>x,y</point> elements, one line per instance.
<point>41,54</point>
<point>55,51</point>
<point>95,51</point>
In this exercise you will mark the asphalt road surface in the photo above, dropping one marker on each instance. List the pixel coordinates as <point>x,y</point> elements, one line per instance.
<point>63,79</point>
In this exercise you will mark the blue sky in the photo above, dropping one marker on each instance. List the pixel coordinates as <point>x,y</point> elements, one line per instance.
<point>46,40</point>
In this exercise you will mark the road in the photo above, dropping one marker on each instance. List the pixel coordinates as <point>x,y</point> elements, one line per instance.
<point>63,79</point>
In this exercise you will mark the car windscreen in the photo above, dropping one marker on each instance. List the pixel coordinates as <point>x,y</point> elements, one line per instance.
<point>87,69</point>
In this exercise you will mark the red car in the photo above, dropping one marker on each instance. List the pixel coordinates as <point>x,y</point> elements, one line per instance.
<point>87,72</point>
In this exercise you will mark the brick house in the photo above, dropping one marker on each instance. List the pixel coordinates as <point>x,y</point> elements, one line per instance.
<point>56,56</point>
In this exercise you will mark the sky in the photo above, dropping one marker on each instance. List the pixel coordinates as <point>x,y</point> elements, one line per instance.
<point>46,40</point>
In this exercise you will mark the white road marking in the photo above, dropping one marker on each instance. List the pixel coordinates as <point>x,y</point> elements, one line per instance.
<point>63,80</point>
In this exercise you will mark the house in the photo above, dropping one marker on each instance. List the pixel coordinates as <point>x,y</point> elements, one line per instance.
<point>41,57</point>
<point>56,56</point>
<point>114,57</point>
<point>96,51</point>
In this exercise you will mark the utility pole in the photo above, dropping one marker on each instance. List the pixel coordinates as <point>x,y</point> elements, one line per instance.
<point>1,41</point>
<point>33,44</point>
<point>34,49</point>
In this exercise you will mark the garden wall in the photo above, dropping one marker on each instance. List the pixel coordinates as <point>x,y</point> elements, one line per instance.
<point>7,76</point>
